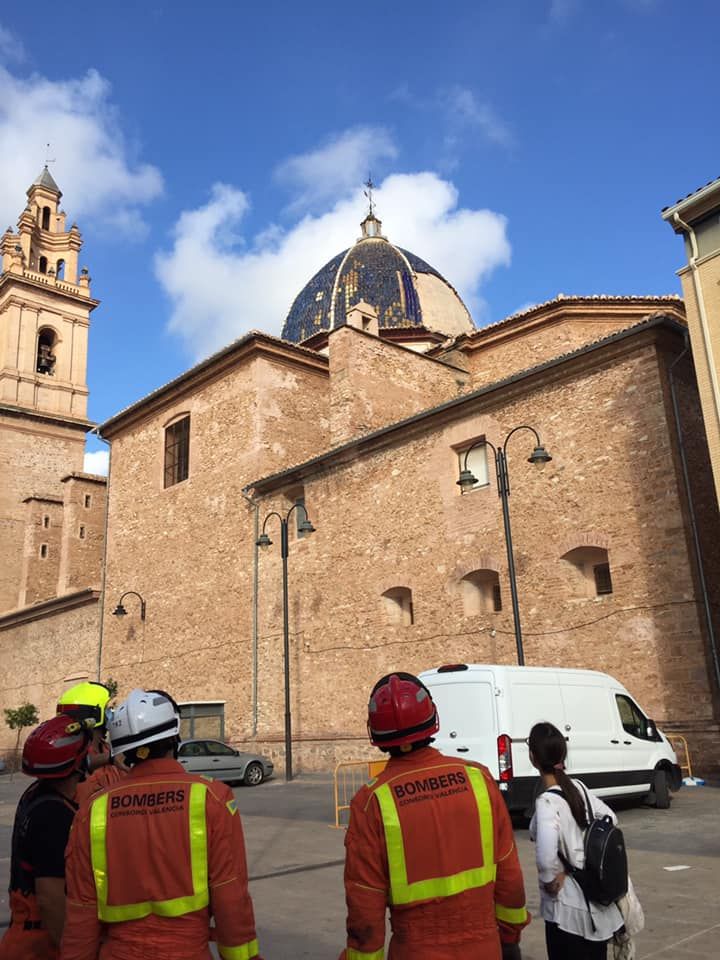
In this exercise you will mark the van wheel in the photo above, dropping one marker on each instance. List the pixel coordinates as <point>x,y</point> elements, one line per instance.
<point>659,796</point>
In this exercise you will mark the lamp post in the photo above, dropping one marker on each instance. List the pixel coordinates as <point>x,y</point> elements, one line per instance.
<point>120,610</point>
<point>467,481</point>
<point>264,541</point>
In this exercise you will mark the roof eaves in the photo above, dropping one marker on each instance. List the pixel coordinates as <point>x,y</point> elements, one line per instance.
<point>653,321</point>
<point>207,364</point>
<point>692,197</point>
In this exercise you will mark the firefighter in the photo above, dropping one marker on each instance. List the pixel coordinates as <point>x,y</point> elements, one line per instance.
<point>88,702</point>
<point>55,754</point>
<point>431,839</point>
<point>153,857</point>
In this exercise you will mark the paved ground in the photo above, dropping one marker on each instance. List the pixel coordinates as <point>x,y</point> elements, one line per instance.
<point>295,863</point>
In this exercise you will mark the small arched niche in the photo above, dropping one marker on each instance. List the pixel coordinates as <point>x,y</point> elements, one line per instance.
<point>43,264</point>
<point>481,592</point>
<point>45,218</point>
<point>46,359</point>
<point>590,568</point>
<point>60,270</point>
<point>398,606</point>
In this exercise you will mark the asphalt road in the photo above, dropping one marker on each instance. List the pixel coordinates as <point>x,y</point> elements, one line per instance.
<point>295,862</point>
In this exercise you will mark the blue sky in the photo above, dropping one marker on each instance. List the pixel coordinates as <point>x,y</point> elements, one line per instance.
<point>213,153</point>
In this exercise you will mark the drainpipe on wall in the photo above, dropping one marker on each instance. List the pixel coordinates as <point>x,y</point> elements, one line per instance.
<point>691,510</point>
<point>256,507</point>
<point>700,300</point>
<point>105,551</point>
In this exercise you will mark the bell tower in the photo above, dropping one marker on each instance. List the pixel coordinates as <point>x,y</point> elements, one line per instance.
<point>45,306</point>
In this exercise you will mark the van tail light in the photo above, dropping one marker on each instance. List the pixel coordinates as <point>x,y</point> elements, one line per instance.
<point>504,747</point>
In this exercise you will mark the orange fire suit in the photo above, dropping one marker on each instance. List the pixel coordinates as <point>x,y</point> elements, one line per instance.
<point>149,862</point>
<point>431,839</point>
<point>106,776</point>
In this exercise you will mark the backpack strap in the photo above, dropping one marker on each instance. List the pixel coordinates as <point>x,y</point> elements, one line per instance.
<point>569,868</point>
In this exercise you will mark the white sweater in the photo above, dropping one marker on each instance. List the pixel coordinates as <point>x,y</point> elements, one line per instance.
<point>553,828</point>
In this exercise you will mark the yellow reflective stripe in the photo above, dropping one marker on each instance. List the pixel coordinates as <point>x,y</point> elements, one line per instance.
<point>98,851</point>
<point>402,892</point>
<point>246,951</point>
<point>351,954</point>
<point>176,907</point>
<point>511,914</point>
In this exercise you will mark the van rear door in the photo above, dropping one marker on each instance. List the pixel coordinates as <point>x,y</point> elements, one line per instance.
<point>466,707</point>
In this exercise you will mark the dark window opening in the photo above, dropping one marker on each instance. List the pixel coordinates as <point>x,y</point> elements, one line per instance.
<point>398,604</point>
<point>42,265</point>
<point>60,270</point>
<point>46,522</point>
<point>45,219</point>
<point>603,580</point>
<point>88,500</point>
<point>81,533</point>
<point>43,551</point>
<point>177,451</point>
<point>45,361</point>
<point>497,598</point>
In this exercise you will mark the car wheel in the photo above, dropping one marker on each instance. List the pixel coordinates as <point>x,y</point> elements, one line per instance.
<point>254,775</point>
<point>660,793</point>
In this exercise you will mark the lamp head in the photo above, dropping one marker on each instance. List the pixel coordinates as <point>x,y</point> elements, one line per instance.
<point>539,456</point>
<point>119,611</point>
<point>467,480</point>
<point>305,526</point>
<point>263,541</point>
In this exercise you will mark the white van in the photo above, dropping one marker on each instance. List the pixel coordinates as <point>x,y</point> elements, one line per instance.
<point>486,713</point>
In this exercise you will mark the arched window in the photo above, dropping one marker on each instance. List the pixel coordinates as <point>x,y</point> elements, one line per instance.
<point>60,270</point>
<point>45,362</point>
<point>46,218</point>
<point>398,606</point>
<point>481,592</point>
<point>591,570</point>
<point>42,264</point>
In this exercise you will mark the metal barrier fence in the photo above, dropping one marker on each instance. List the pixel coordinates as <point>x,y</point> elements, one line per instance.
<point>348,779</point>
<point>677,739</point>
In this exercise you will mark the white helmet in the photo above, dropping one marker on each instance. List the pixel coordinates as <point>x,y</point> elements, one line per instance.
<point>146,716</point>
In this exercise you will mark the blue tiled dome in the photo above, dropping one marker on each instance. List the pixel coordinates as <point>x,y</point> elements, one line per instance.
<point>396,283</point>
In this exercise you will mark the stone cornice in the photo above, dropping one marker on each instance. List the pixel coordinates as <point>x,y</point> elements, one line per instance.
<point>254,344</point>
<point>58,288</point>
<point>44,417</point>
<point>48,608</point>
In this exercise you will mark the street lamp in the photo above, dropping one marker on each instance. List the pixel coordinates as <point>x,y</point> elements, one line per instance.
<point>120,610</point>
<point>467,481</point>
<point>264,541</point>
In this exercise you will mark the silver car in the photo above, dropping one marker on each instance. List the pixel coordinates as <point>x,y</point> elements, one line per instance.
<point>216,759</point>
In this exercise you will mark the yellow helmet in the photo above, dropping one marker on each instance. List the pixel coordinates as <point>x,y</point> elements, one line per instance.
<point>85,701</point>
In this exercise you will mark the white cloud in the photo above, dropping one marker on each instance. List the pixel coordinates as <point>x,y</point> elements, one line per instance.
<point>96,168</point>
<point>467,111</point>
<point>340,164</point>
<point>223,284</point>
<point>11,47</point>
<point>96,461</point>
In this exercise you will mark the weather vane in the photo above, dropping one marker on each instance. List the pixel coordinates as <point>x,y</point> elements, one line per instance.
<point>48,159</point>
<point>369,193</point>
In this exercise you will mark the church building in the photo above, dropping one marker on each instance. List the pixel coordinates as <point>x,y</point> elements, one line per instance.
<point>345,439</point>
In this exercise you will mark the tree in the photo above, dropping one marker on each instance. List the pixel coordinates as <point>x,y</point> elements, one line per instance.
<point>112,686</point>
<point>25,715</point>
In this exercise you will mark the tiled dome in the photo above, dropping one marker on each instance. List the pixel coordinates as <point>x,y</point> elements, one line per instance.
<point>405,291</point>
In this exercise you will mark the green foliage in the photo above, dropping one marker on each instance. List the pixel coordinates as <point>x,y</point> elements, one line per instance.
<point>25,715</point>
<point>112,686</point>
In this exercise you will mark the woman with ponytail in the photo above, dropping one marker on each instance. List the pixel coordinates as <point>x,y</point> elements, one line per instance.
<point>574,929</point>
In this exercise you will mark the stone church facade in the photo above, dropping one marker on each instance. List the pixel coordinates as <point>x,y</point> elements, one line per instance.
<point>363,412</point>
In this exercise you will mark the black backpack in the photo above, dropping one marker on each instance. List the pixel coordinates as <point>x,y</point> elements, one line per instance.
<point>604,878</point>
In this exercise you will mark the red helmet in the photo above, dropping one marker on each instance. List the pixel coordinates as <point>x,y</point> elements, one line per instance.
<point>401,711</point>
<point>55,749</point>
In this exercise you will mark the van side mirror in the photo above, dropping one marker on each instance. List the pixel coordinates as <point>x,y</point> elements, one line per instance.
<point>652,731</point>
